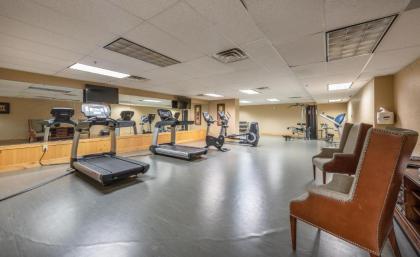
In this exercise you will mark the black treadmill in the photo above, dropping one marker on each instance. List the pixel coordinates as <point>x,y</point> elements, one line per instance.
<point>125,121</point>
<point>171,149</point>
<point>104,167</point>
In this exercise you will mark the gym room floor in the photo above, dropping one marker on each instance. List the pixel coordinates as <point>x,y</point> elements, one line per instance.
<point>232,204</point>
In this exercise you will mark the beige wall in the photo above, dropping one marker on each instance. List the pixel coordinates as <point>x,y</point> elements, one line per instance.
<point>361,106</point>
<point>384,95</point>
<point>274,119</point>
<point>15,124</point>
<point>232,107</point>
<point>379,92</point>
<point>407,98</point>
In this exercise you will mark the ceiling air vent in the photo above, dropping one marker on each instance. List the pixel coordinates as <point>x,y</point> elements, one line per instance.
<point>137,78</point>
<point>231,55</point>
<point>295,97</point>
<point>262,88</point>
<point>357,39</point>
<point>131,49</point>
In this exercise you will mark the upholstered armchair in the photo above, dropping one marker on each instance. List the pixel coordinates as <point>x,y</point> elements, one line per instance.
<point>359,209</point>
<point>344,158</point>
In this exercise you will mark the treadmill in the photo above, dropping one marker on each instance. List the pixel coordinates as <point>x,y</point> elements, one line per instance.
<point>103,167</point>
<point>125,121</point>
<point>171,149</point>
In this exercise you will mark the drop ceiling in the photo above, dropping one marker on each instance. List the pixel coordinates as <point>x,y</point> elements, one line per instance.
<point>284,40</point>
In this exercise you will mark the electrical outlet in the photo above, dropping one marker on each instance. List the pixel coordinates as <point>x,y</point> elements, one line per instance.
<point>44,148</point>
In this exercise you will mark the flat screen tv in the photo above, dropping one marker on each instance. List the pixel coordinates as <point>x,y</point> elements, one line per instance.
<point>98,94</point>
<point>181,103</point>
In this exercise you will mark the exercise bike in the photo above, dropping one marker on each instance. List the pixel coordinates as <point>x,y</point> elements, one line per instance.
<point>211,140</point>
<point>251,137</point>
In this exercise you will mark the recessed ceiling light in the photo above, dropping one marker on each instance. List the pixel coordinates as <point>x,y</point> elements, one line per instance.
<point>249,91</point>
<point>213,95</point>
<point>339,86</point>
<point>358,39</point>
<point>273,100</point>
<point>244,101</point>
<point>335,100</point>
<point>151,101</point>
<point>96,70</point>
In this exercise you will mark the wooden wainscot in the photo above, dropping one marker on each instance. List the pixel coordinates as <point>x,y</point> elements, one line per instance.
<point>21,156</point>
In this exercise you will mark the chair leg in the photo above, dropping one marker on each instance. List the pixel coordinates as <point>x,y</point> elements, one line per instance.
<point>324,177</point>
<point>314,168</point>
<point>293,231</point>
<point>394,244</point>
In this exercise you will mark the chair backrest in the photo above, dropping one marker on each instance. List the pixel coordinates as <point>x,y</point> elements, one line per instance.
<point>350,145</point>
<point>346,129</point>
<point>378,177</point>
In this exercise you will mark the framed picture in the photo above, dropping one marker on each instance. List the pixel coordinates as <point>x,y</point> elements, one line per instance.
<point>220,108</point>
<point>4,108</point>
<point>197,114</point>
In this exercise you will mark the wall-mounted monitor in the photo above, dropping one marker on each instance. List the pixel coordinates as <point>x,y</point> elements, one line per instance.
<point>98,94</point>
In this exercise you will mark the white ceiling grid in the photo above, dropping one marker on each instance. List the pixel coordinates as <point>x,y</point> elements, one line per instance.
<point>285,42</point>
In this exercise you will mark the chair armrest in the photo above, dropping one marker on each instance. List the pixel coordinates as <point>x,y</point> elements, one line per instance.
<point>338,189</point>
<point>342,163</point>
<point>327,152</point>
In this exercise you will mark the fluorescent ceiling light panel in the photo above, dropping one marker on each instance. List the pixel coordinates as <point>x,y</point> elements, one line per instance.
<point>273,100</point>
<point>213,95</point>
<point>131,49</point>
<point>244,101</point>
<point>249,91</point>
<point>358,39</point>
<point>335,100</point>
<point>151,101</point>
<point>96,70</point>
<point>339,86</point>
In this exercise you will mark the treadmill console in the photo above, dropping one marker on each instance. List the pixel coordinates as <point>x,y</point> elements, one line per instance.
<point>100,111</point>
<point>62,114</point>
<point>165,114</point>
<point>126,115</point>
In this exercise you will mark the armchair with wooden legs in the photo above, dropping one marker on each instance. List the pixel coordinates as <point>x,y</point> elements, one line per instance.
<point>359,209</point>
<point>343,159</point>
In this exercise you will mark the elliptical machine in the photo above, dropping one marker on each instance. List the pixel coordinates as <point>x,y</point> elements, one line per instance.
<point>211,140</point>
<point>251,137</point>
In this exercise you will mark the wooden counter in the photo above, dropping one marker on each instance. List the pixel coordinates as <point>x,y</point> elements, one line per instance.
<point>15,157</point>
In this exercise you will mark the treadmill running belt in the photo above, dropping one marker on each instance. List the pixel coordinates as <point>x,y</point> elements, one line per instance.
<point>184,148</point>
<point>107,164</point>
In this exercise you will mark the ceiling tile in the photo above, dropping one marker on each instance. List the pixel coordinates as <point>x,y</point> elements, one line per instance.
<point>95,13</point>
<point>288,20</point>
<point>264,54</point>
<point>342,13</point>
<point>405,32</point>
<point>144,8</point>
<point>20,44</point>
<point>230,18</point>
<point>192,29</point>
<point>48,19</point>
<point>306,50</point>
<point>393,60</point>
